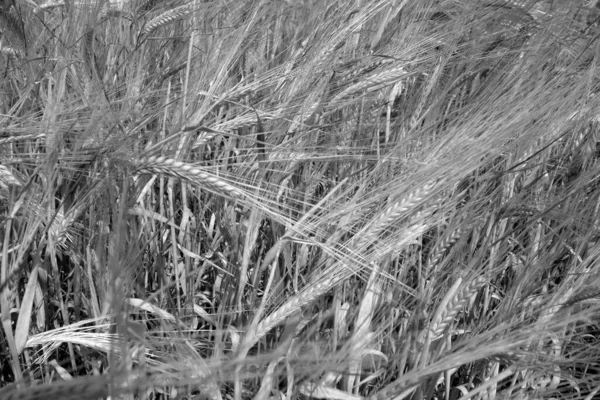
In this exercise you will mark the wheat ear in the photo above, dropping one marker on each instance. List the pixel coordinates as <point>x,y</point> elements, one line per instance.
<point>442,246</point>
<point>174,168</point>
<point>396,210</point>
<point>451,304</point>
<point>322,284</point>
<point>387,77</point>
<point>166,17</point>
<point>447,312</point>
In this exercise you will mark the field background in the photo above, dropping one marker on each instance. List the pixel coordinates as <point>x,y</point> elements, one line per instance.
<point>299,199</point>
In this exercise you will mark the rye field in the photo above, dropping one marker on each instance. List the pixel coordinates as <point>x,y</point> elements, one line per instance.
<point>299,199</point>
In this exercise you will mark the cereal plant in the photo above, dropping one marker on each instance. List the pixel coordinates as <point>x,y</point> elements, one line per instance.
<point>299,199</point>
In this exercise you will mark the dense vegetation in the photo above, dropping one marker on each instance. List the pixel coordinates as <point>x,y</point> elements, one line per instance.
<point>382,199</point>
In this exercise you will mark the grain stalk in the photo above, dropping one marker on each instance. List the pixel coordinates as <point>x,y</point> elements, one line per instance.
<point>187,172</point>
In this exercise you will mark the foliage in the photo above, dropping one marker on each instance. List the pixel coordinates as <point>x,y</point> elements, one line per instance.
<point>299,199</point>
